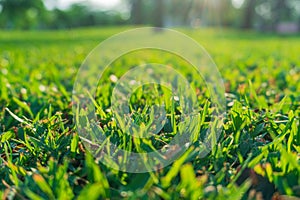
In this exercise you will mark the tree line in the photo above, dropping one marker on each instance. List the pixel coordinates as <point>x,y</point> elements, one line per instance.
<point>259,14</point>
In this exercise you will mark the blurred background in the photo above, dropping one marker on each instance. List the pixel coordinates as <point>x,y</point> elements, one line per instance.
<point>281,16</point>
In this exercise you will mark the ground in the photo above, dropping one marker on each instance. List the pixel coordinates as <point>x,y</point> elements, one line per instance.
<point>256,155</point>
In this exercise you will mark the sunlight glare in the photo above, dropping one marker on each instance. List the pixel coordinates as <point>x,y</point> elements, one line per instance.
<point>237,3</point>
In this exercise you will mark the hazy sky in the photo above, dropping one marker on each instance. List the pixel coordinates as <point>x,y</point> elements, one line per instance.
<point>103,4</point>
<point>237,3</point>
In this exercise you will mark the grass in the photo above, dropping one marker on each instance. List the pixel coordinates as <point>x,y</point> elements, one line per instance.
<point>43,157</point>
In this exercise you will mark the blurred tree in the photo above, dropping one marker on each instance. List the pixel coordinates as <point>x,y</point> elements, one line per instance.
<point>249,14</point>
<point>158,13</point>
<point>32,14</point>
<point>79,14</point>
<point>273,12</point>
<point>179,12</point>
<point>147,12</point>
<point>199,12</point>
<point>24,14</point>
<point>136,15</point>
<point>280,12</point>
<point>262,14</point>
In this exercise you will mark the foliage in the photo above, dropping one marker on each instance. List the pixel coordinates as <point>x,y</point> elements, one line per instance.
<point>32,14</point>
<point>264,15</point>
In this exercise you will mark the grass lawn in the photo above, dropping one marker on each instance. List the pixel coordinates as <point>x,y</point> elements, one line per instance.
<point>43,157</point>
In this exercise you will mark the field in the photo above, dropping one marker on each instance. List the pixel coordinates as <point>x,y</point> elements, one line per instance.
<point>256,156</point>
